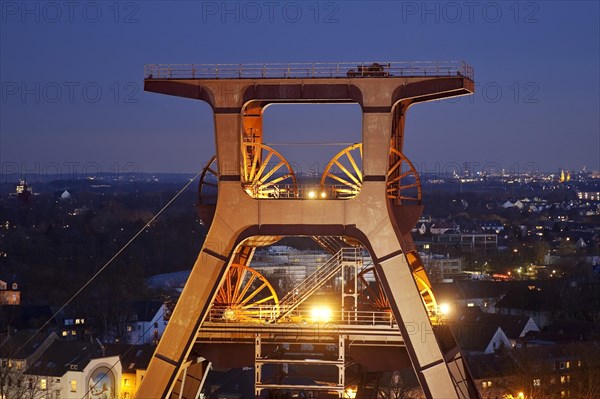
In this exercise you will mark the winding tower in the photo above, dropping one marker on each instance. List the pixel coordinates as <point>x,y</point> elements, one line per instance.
<point>368,198</point>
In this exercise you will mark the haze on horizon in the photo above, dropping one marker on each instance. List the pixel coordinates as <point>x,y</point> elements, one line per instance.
<point>72,80</point>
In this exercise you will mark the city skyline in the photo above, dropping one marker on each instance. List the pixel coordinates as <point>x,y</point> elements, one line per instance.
<point>72,81</point>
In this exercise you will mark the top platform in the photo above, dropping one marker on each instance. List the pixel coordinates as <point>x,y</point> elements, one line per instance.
<point>310,70</point>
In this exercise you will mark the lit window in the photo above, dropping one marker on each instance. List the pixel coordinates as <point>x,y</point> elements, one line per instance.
<point>73,386</point>
<point>568,365</point>
<point>126,382</point>
<point>537,382</point>
<point>579,363</point>
<point>129,328</point>
<point>43,384</point>
<point>65,333</point>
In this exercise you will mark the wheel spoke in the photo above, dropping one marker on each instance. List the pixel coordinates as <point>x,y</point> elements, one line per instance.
<point>344,182</point>
<point>354,165</point>
<point>246,287</point>
<point>255,160</point>
<point>246,296</point>
<point>350,175</point>
<point>261,180</point>
<point>253,294</point>
<point>257,178</point>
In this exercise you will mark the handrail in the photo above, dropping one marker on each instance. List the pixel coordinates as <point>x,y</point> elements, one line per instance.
<point>302,314</point>
<point>310,70</point>
<point>312,283</point>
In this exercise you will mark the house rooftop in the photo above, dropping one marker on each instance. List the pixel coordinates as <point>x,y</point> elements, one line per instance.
<point>145,310</point>
<point>62,356</point>
<point>133,357</point>
<point>512,326</point>
<point>22,344</point>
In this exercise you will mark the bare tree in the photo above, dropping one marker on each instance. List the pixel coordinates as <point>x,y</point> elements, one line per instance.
<point>15,384</point>
<point>586,370</point>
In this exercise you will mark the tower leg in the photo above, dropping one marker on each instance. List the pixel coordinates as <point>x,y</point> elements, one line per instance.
<point>191,310</point>
<point>411,315</point>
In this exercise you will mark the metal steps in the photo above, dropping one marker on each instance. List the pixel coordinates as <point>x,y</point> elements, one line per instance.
<point>312,283</point>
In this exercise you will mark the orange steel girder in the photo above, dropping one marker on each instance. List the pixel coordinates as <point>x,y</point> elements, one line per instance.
<point>380,225</point>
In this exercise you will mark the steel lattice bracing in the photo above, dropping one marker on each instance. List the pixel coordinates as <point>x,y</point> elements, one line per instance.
<point>249,211</point>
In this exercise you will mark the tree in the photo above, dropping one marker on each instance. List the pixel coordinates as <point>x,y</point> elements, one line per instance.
<point>16,384</point>
<point>586,370</point>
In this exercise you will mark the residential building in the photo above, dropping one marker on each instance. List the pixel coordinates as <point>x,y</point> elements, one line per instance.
<point>9,293</point>
<point>75,370</point>
<point>147,322</point>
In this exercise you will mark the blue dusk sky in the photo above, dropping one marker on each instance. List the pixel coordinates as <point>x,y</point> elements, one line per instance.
<point>72,74</point>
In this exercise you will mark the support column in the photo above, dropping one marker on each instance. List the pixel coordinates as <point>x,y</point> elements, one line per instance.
<point>191,310</point>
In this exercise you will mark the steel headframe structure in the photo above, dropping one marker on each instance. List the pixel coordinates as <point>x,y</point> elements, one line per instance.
<point>371,206</point>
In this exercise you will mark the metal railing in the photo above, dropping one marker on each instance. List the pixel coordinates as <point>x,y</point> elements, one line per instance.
<point>303,315</point>
<point>310,70</point>
<point>302,191</point>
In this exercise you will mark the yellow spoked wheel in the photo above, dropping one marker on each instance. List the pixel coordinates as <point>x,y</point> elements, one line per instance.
<point>266,173</point>
<point>423,284</point>
<point>371,287</point>
<point>403,181</point>
<point>373,295</point>
<point>207,191</point>
<point>246,296</point>
<point>344,173</point>
<point>209,182</point>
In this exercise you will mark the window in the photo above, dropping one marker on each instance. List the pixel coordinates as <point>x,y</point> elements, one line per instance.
<point>126,382</point>
<point>568,365</point>
<point>486,384</point>
<point>537,382</point>
<point>68,322</point>
<point>43,384</point>
<point>65,333</point>
<point>129,328</point>
<point>562,365</point>
<point>73,386</point>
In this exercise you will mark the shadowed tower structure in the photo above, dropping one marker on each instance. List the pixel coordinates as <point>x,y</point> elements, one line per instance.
<point>368,199</point>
